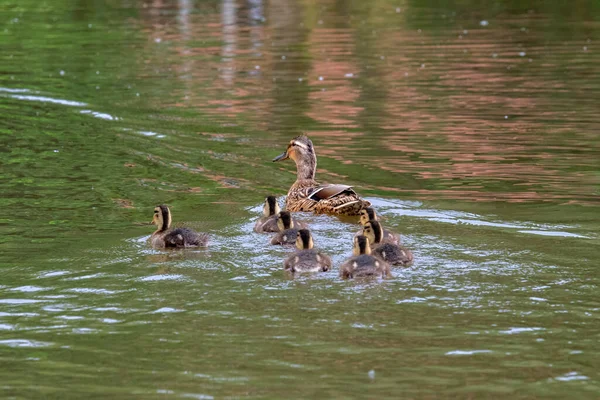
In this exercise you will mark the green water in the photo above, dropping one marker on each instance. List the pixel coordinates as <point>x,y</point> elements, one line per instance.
<point>473,129</point>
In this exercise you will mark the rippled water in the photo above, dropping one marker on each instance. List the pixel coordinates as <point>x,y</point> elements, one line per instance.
<point>472,128</point>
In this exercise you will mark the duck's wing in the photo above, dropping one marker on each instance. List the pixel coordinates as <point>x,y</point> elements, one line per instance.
<point>391,237</point>
<point>184,237</point>
<point>268,224</point>
<point>287,237</point>
<point>394,254</point>
<point>324,192</point>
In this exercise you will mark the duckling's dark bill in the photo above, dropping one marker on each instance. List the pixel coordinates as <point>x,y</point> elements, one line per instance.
<point>282,156</point>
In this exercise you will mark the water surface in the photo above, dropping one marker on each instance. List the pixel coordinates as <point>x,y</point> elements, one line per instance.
<point>473,129</point>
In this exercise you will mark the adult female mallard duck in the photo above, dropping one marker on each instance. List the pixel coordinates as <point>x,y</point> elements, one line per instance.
<point>388,252</point>
<point>306,258</point>
<point>179,237</point>
<point>287,231</point>
<point>362,263</point>
<point>268,222</point>
<point>306,194</point>
<point>367,214</point>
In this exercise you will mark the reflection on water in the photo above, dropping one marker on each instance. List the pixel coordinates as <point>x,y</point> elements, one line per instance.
<point>464,108</point>
<point>471,128</point>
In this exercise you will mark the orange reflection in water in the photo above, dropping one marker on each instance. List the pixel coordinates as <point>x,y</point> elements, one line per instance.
<point>441,107</point>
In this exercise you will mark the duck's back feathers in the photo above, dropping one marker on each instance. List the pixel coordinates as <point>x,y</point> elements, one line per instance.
<point>285,237</point>
<point>269,224</point>
<point>178,238</point>
<point>185,237</point>
<point>325,192</point>
<point>266,224</point>
<point>363,266</point>
<point>393,254</point>
<point>324,199</point>
<point>307,261</point>
<point>388,236</point>
<point>338,199</point>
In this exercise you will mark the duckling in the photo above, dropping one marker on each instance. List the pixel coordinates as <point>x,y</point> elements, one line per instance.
<point>391,253</point>
<point>306,258</point>
<point>268,222</point>
<point>287,231</point>
<point>306,194</point>
<point>179,237</point>
<point>367,214</point>
<point>362,263</point>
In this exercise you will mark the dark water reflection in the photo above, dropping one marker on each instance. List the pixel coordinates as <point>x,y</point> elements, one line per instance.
<point>472,128</point>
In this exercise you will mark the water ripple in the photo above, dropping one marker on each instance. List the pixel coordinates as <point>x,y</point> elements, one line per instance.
<point>24,343</point>
<point>49,100</point>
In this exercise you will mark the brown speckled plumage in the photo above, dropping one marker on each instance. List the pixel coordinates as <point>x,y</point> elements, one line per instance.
<point>307,195</point>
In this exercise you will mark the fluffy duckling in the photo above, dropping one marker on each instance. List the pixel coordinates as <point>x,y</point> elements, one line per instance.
<point>287,230</point>
<point>268,222</point>
<point>306,258</point>
<point>367,214</point>
<point>391,253</point>
<point>362,263</point>
<point>179,237</point>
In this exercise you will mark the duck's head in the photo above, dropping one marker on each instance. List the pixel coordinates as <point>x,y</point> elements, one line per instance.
<point>367,214</point>
<point>361,245</point>
<point>271,206</point>
<point>373,231</point>
<point>304,240</point>
<point>301,150</point>
<point>284,220</point>
<point>162,217</point>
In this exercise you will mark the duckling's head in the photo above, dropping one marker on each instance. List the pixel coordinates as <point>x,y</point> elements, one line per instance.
<point>301,150</point>
<point>373,231</point>
<point>162,217</point>
<point>304,240</point>
<point>367,214</point>
<point>271,206</point>
<point>361,245</point>
<point>284,220</point>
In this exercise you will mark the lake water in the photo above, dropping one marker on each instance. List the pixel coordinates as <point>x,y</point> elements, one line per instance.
<point>472,127</point>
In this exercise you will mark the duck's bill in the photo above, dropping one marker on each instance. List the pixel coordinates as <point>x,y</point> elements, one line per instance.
<point>282,156</point>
